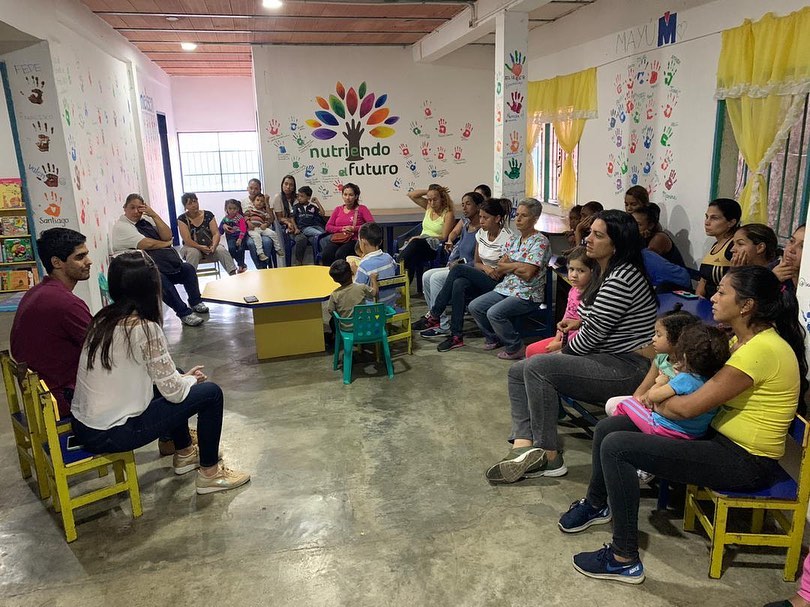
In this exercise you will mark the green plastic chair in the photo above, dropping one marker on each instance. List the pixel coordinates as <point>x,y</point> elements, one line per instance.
<point>104,287</point>
<point>366,326</point>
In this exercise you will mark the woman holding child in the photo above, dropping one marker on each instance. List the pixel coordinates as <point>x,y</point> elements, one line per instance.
<point>609,355</point>
<point>756,394</point>
<point>344,225</point>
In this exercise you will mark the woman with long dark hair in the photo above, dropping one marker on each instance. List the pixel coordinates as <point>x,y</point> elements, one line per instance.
<point>609,355</point>
<point>758,392</point>
<point>128,391</point>
<point>652,233</point>
<point>344,226</point>
<point>722,220</point>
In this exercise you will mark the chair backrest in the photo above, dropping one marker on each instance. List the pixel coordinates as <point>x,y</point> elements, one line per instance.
<point>368,323</point>
<point>104,287</point>
<point>10,374</point>
<point>48,412</point>
<point>400,284</point>
<point>799,432</point>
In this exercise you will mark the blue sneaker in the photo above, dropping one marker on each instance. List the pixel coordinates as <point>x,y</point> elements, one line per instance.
<point>603,566</point>
<point>582,515</point>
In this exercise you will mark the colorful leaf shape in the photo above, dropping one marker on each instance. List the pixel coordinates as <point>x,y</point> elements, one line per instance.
<point>381,132</point>
<point>362,90</point>
<point>322,102</point>
<point>340,90</point>
<point>351,101</point>
<point>392,120</point>
<point>337,106</point>
<point>327,118</point>
<point>313,123</point>
<point>323,134</point>
<point>367,104</point>
<point>381,100</point>
<point>378,116</point>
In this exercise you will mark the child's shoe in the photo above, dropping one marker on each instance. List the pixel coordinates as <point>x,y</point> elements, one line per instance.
<point>263,257</point>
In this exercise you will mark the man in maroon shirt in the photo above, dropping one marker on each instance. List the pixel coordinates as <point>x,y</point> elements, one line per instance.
<point>51,322</point>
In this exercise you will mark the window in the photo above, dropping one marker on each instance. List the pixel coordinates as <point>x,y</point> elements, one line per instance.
<point>548,159</point>
<point>788,176</point>
<point>218,162</point>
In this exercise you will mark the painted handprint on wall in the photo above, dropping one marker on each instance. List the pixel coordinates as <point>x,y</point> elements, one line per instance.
<point>670,182</point>
<point>273,127</point>
<point>403,147</point>
<point>633,142</point>
<point>672,69</point>
<point>44,134</point>
<point>440,153</point>
<point>37,86</point>
<point>457,151</point>
<point>655,70</point>
<point>672,101</point>
<point>53,204</point>
<point>426,109</point>
<point>666,136</point>
<point>517,59</point>
<point>466,131</point>
<point>416,128</point>
<point>666,160</point>
<point>648,163</point>
<point>49,175</point>
<point>442,126</point>
<point>650,113</point>
<point>425,149</point>
<point>514,142</point>
<point>648,137</point>
<point>517,102</point>
<point>514,169</point>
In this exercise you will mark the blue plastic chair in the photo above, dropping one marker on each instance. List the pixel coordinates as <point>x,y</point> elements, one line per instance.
<point>366,326</point>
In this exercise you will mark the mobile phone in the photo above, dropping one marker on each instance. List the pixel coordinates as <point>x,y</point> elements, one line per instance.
<point>251,299</point>
<point>685,294</point>
<point>73,443</point>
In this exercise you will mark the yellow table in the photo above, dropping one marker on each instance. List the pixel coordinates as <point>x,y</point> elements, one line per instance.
<point>287,318</point>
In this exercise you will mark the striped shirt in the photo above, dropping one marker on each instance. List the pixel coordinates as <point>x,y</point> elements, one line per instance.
<point>383,265</point>
<point>621,318</point>
<point>490,251</point>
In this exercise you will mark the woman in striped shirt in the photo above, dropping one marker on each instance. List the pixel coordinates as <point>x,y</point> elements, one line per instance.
<point>609,355</point>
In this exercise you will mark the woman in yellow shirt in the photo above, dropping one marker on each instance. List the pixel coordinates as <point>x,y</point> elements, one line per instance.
<point>436,227</point>
<point>757,394</point>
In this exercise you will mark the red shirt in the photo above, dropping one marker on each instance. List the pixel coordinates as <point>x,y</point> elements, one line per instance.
<point>48,334</point>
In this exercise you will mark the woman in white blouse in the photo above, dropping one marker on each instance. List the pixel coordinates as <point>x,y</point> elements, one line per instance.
<point>128,390</point>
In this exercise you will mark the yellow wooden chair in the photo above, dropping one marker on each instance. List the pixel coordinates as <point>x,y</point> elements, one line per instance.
<point>28,452</point>
<point>399,325</point>
<point>786,500</point>
<point>61,465</point>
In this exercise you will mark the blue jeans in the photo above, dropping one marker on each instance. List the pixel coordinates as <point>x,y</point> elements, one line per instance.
<point>493,313</point>
<point>160,418</point>
<point>308,236</point>
<point>267,245</point>
<point>187,276</point>
<point>463,282</point>
<point>236,251</point>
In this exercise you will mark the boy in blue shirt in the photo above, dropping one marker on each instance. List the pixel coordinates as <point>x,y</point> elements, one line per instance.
<point>375,261</point>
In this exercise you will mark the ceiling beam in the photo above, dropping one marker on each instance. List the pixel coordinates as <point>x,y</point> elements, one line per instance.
<point>291,31</point>
<point>226,16</point>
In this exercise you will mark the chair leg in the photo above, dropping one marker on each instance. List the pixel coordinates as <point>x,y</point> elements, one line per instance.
<point>689,509</point>
<point>795,547</point>
<point>134,489</point>
<point>63,496</point>
<point>757,520</point>
<point>336,357</point>
<point>348,350</point>
<point>388,363</point>
<point>25,466</point>
<point>102,472</point>
<point>718,540</point>
<point>41,470</point>
<point>118,470</point>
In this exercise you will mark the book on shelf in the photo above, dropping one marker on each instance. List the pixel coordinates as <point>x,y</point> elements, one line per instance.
<point>17,280</point>
<point>14,225</point>
<point>11,194</point>
<point>17,250</point>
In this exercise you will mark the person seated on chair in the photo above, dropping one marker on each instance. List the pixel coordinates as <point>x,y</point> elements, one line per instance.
<point>200,235</point>
<point>522,275</point>
<point>375,262</point>
<point>586,214</point>
<point>609,355</point>
<point>51,321</point>
<point>307,222</point>
<point>126,354</point>
<point>465,282</point>
<point>141,228</point>
<point>343,226</point>
<point>259,218</point>
<point>754,244</point>
<point>254,188</point>
<point>234,227</point>
<point>787,270</point>
<point>349,293</point>
<point>759,391</point>
<point>436,227</point>
<point>655,238</point>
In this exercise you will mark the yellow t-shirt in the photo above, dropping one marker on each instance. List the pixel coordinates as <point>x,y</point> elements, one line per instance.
<point>758,419</point>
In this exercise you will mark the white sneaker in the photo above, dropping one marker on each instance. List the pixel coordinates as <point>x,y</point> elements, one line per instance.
<point>224,479</point>
<point>192,320</point>
<point>200,308</point>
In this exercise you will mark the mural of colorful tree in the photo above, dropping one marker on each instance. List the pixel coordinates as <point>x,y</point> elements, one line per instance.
<point>352,106</point>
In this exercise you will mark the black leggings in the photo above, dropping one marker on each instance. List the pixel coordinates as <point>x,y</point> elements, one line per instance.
<point>416,253</point>
<point>620,448</point>
<point>464,283</point>
<point>331,251</point>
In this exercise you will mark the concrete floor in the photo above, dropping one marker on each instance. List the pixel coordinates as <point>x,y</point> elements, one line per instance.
<point>369,494</point>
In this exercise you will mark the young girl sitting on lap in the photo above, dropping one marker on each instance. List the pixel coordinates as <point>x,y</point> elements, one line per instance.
<point>581,269</point>
<point>701,351</point>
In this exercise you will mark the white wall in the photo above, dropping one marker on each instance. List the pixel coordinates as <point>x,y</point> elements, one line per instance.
<point>213,105</point>
<point>457,91</point>
<point>620,36</point>
<point>8,159</point>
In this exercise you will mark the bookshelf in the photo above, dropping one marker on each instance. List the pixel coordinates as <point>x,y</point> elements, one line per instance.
<point>18,265</point>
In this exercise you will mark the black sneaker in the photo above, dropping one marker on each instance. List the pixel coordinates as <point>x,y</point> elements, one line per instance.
<point>582,515</point>
<point>435,332</point>
<point>426,322</point>
<point>602,565</point>
<point>451,343</point>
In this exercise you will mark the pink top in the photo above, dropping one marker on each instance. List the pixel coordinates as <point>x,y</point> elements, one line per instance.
<point>339,219</point>
<point>574,295</point>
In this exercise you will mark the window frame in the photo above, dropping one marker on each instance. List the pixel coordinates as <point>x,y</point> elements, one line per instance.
<point>543,164</point>
<point>259,173</point>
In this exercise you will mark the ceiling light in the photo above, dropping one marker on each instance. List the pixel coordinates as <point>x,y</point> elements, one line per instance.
<point>188,46</point>
<point>172,18</point>
<point>272,3</point>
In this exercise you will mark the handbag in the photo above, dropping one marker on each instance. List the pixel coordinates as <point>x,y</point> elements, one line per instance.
<point>343,237</point>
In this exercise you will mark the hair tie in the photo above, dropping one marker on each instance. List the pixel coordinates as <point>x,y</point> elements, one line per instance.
<point>783,289</point>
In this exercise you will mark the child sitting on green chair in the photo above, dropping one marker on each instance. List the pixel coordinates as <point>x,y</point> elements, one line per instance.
<point>349,293</point>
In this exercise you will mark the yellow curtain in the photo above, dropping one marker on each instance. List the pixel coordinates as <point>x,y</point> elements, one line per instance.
<point>532,135</point>
<point>763,74</point>
<point>566,102</point>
